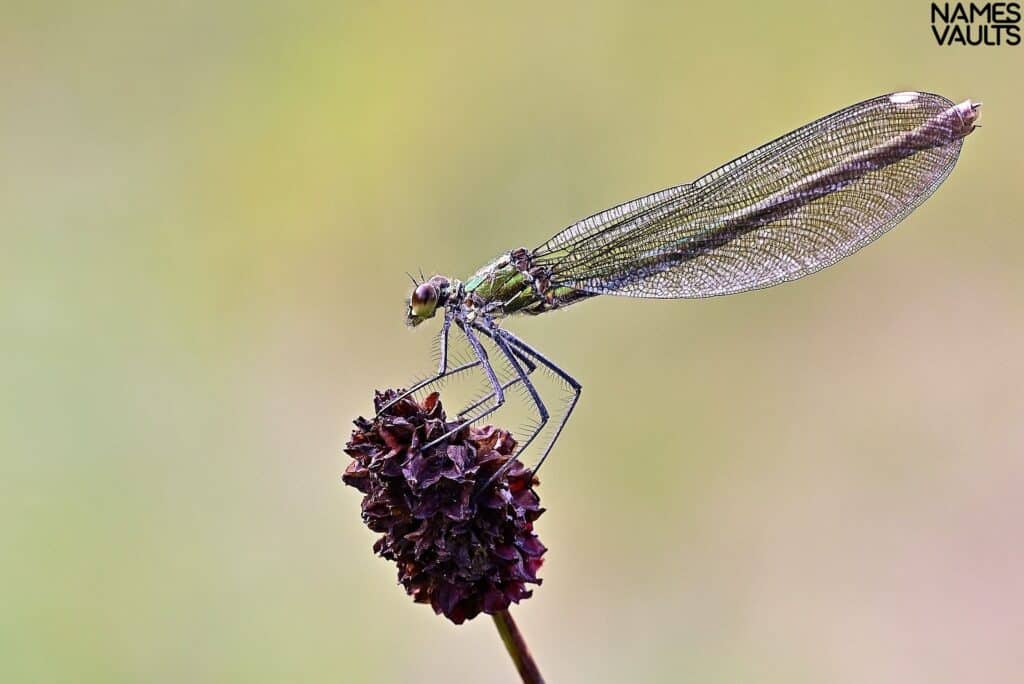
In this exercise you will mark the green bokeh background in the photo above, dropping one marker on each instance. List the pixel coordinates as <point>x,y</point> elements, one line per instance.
<point>207,210</point>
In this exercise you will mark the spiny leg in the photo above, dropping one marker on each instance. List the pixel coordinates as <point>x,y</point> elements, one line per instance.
<point>515,357</point>
<point>576,387</point>
<point>442,370</point>
<point>428,381</point>
<point>498,394</point>
<point>445,327</point>
<point>530,368</point>
<point>516,360</point>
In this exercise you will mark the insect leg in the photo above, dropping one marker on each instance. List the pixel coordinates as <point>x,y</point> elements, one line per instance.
<point>445,327</point>
<point>516,359</point>
<point>442,370</point>
<point>529,365</point>
<point>576,387</point>
<point>428,381</point>
<point>498,394</point>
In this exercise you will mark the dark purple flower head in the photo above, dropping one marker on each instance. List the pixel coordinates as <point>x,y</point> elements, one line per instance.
<point>461,549</point>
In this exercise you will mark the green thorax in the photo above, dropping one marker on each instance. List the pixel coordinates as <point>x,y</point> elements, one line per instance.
<point>500,281</point>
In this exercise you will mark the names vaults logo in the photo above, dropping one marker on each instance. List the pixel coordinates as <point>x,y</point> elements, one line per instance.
<point>967,23</point>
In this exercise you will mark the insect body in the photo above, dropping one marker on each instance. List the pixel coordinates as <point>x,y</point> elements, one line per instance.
<point>787,209</point>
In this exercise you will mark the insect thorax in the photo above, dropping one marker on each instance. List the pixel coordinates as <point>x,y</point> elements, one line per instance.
<point>512,283</point>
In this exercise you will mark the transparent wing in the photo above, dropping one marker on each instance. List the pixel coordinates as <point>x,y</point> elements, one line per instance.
<point>782,211</point>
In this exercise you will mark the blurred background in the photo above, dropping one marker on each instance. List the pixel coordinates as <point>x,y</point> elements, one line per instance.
<point>207,212</point>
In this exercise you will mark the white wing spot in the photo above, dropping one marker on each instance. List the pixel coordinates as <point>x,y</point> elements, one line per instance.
<point>903,98</point>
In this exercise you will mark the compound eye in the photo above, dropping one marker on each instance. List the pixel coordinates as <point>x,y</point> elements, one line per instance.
<point>423,300</point>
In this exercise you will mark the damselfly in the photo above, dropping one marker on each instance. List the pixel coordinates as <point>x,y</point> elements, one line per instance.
<point>787,209</point>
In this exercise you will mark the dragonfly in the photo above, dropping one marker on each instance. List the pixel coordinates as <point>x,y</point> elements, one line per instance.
<point>785,210</point>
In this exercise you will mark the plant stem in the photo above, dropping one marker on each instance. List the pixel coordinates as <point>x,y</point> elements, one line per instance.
<point>517,648</point>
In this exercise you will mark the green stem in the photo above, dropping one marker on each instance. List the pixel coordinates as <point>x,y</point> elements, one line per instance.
<point>517,648</point>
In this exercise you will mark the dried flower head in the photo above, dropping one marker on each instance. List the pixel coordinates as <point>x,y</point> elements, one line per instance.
<point>461,548</point>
